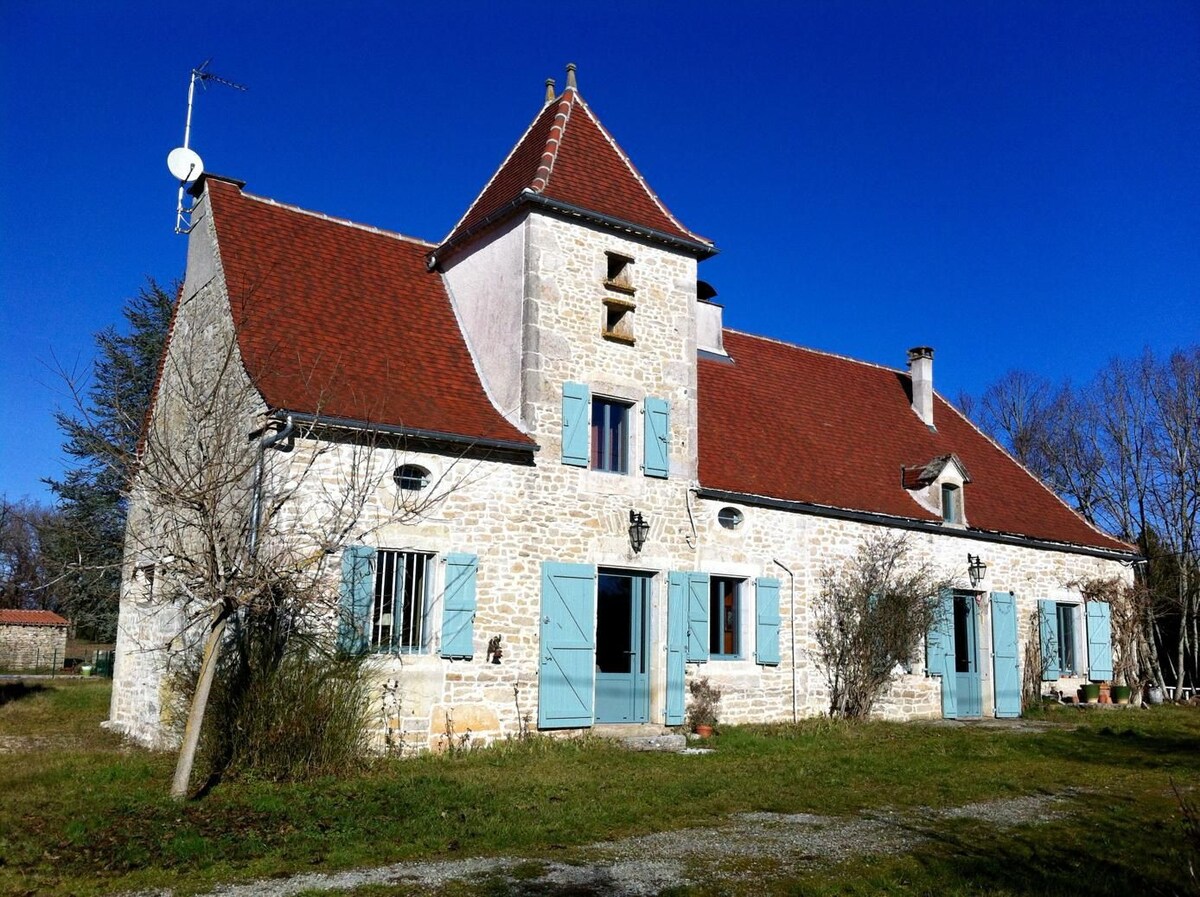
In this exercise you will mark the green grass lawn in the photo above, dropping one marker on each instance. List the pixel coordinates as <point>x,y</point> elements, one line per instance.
<point>80,814</point>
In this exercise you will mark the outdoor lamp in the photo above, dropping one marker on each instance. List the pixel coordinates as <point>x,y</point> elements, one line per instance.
<point>639,529</point>
<point>976,569</point>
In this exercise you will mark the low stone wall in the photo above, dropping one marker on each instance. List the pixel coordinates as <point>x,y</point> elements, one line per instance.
<point>32,647</point>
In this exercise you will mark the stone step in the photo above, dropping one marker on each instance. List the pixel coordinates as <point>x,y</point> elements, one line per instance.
<point>642,736</point>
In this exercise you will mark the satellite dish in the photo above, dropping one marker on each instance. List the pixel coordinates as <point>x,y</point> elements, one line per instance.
<point>184,164</point>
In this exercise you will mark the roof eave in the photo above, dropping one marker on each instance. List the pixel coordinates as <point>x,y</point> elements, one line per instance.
<point>697,248</point>
<point>911,523</point>
<point>438,436</point>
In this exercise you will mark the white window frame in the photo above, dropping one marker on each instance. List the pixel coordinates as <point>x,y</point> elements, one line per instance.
<point>413,634</point>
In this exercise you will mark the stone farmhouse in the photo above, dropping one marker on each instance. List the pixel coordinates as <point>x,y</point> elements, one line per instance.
<point>639,496</point>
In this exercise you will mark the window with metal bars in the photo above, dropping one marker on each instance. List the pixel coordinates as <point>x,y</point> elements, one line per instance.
<point>399,614</point>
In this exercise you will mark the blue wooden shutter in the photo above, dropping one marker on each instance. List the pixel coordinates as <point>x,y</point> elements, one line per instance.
<point>1099,633</point>
<point>1005,658</point>
<point>566,683</point>
<point>657,442</point>
<point>576,429</point>
<point>458,606</point>
<point>357,592</point>
<point>677,642</point>
<point>766,630</point>
<point>697,616</point>
<point>939,654</point>
<point>1048,633</point>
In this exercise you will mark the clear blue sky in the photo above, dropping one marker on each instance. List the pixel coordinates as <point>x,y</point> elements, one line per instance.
<point>1016,184</point>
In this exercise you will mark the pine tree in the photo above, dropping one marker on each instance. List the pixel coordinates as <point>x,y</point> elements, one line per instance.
<point>84,542</point>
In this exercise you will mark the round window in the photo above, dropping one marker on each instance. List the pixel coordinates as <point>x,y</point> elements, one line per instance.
<point>730,518</point>
<point>411,476</point>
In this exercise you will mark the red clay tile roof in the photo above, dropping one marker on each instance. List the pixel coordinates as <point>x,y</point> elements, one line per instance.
<point>799,425</point>
<point>31,618</point>
<point>345,322</point>
<point>568,156</point>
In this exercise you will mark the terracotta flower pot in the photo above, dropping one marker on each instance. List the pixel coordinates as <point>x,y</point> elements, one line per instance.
<point>704,731</point>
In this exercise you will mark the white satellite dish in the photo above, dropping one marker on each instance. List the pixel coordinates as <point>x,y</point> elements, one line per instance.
<point>184,164</point>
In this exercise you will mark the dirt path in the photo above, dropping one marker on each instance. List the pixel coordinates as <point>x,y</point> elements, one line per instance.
<point>761,845</point>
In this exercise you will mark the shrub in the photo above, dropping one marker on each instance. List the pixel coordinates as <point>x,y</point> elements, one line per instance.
<point>283,708</point>
<point>872,611</point>
<point>702,710</point>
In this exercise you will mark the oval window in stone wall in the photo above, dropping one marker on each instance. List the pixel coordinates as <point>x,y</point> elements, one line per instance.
<point>730,518</point>
<point>411,477</point>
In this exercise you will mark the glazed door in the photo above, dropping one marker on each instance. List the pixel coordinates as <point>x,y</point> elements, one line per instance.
<point>969,691</point>
<point>622,658</point>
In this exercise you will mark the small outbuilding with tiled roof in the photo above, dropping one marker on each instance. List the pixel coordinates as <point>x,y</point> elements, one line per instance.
<point>32,640</point>
<point>573,489</point>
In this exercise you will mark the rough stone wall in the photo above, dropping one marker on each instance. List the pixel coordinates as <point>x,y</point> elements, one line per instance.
<point>156,636</point>
<point>516,517</point>
<point>32,647</point>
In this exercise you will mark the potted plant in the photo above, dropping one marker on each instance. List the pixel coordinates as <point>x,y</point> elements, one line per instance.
<point>702,710</point>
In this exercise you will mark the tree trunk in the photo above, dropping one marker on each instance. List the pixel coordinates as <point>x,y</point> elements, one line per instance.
<point>191,732</point>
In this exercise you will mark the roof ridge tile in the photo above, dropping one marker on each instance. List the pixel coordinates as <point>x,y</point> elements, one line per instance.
<point>335,219</point>
<point>557,131</point>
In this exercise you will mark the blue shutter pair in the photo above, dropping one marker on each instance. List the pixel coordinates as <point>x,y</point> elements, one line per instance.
<point>576,430</point>
<point>358,592</point>
<point>1099,638</point>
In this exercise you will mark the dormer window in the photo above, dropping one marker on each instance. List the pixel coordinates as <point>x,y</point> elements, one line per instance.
<point>938,487</point>
<point>951,503</point>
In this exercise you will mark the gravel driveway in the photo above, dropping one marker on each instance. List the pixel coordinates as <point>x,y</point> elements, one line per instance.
<point>756,844</point>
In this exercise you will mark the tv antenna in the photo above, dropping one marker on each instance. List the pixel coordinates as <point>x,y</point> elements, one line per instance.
<point>183,162</point>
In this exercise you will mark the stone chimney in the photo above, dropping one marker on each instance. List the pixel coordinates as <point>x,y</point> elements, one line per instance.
<point>920,368</point>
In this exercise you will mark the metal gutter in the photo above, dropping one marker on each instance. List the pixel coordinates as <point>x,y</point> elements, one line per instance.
<point>527,196</point>
<point>908,523</point>
<point>347,423</point>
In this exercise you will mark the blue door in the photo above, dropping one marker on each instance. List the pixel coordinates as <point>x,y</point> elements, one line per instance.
<point>568,656</point>
<point>968,685</point>
<point>622,658</point>
<point>1005,662</point>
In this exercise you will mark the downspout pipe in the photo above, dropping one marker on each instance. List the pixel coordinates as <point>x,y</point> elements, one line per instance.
<point>792,615</point>
<point>268,440</point>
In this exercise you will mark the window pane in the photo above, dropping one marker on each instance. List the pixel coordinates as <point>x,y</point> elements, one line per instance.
<point>610,436</point>
<point>1066,638</point>
<point>723,613</point>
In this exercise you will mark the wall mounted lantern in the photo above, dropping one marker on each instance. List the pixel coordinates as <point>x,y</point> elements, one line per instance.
<point>639,530</point>
<point>976,569</point>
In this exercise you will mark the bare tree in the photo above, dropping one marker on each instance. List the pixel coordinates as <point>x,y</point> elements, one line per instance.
<point>1125,450</point>
<point>236,510</point>
<point>871,614</point>
<point>25,580</point>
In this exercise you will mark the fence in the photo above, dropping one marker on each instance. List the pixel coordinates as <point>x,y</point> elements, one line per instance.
<point>97,662</point>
